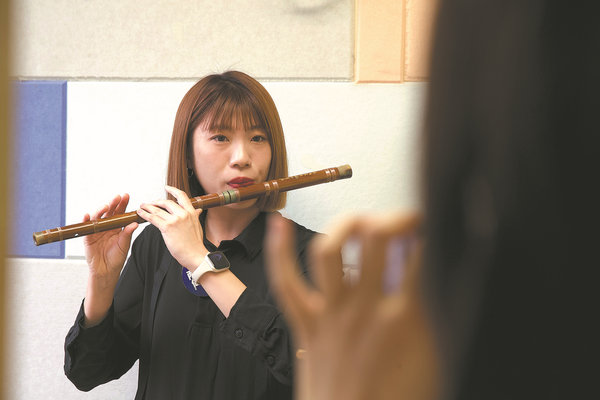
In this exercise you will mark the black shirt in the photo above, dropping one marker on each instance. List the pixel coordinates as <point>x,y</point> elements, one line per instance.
<point>186,347</point>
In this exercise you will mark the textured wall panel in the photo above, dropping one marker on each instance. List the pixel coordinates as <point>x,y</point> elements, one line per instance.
<point>119,134</point>
<point>39,166</point>
<point>184,39</point>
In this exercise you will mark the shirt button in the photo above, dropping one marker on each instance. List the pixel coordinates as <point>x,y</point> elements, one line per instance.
<point>270,359</point>
<point>238,333</point>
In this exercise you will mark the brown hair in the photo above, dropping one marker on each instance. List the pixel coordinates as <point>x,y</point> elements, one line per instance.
<point>223,101</point>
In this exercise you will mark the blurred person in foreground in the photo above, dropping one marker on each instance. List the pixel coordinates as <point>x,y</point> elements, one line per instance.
<point>497,300</point>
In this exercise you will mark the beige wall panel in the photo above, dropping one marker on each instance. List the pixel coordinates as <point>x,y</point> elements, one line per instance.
<point>379,41</point>
<point>296,39</point>
<point>420,16</point>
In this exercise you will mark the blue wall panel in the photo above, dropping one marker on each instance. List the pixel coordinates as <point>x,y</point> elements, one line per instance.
<point>39,154</point>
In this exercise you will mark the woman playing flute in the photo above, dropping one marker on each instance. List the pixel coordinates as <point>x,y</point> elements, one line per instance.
<point>192,303</point>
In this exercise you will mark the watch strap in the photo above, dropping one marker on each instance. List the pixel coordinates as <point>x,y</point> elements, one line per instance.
<point>205,266</point>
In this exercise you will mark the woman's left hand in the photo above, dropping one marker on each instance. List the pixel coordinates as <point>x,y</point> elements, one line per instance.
<point>180,226</point>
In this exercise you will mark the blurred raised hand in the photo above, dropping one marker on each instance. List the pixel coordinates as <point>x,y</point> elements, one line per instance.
<point>355,340</point>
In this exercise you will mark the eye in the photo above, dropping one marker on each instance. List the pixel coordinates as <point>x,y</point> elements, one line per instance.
<point>259,138</point>
<point>219,138</point>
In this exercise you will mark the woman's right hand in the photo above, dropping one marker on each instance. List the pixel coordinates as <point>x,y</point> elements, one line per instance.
<point>105,253</point>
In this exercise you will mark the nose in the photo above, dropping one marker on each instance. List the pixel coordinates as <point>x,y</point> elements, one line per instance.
<point>240,154</point>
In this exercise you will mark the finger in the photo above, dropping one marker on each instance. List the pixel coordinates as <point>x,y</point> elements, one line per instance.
<point>154,215</point>
<point>290,290</point>
<point>181,197</point>
<point>402,230</point>
<point>356,229</point>
<point>280,257</point>
<point>167,210</point>
<point>326,258</point>
<point>410,283</point>
<point>395,264</point>
<point>122,206</point>
<point>171,207</point>
<point>124,240</point>
<point>372,257</point>
<point>99,212</point>
<point>375,234</point>
<point>399,223</point>
<point>112,206</point>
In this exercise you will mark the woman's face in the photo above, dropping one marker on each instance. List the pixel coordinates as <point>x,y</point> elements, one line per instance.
<point>230,158</point>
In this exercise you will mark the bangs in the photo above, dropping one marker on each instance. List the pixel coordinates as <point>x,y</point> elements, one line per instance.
<point>233,109</point>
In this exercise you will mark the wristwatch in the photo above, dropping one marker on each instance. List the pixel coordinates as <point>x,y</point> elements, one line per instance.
<point>215,262</point>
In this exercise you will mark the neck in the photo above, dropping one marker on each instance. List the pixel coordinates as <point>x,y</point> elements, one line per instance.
<point>224,223</point>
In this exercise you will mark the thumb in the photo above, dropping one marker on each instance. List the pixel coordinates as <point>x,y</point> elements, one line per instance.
<point>124,240</point>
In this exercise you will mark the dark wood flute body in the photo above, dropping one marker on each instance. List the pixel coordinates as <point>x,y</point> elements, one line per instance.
<point>268,188</point>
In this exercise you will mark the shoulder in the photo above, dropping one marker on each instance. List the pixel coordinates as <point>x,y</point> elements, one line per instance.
<point>301,229</point>
<point>303,234</point>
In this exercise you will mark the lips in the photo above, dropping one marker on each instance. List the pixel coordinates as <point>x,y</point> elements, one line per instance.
<point>240,182</point>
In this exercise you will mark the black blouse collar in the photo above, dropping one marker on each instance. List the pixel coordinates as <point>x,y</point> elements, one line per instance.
<point>251,238</point>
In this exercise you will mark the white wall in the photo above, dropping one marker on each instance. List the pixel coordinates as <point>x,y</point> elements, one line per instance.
<point>45,296</point>
<point>119,134</point>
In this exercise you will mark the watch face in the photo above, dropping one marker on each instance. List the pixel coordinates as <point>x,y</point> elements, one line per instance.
<point>219,260</point>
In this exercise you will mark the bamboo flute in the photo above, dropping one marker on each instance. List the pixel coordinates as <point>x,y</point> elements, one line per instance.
<point>268,188</point>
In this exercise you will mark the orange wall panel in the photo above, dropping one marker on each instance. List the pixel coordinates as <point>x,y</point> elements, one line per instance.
<point>420,16</point>
<point>393,40</point>
<point>379,37</point>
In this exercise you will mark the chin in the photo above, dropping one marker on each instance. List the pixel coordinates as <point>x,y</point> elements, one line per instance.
<point>243,205</point>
